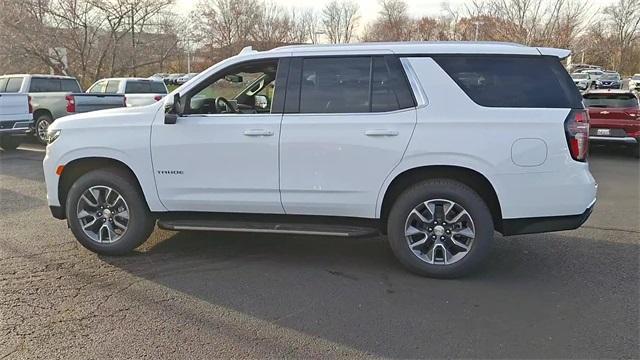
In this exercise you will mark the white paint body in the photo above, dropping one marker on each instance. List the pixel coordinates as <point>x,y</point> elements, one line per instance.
<point>335,164</point>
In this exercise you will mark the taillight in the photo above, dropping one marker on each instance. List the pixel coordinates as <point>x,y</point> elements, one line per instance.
<point>30,106</point>
<point>577,129</point>
<point>71,103</point>
<point>157,98</point>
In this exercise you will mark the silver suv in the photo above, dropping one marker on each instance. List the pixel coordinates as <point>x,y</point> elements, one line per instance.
<point>47,94</point>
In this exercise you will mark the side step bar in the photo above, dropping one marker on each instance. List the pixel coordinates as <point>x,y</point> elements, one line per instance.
<point>268,227</point>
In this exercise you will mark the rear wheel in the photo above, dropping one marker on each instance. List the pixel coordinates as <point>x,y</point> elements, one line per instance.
<point>440,228</point>
<point>107,212</point>
<point>9,143</point>
<point>42,125</point>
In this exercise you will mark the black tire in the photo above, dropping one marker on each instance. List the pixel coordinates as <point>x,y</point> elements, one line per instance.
<point>10,143</point>
<point>41,121</point>
<point>449,190</point>
<point>635,150</point>
<point>141,222</point>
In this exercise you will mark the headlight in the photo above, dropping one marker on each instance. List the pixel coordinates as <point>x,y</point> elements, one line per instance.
<point>53,135</point>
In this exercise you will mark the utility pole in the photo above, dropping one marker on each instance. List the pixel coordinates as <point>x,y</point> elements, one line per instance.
<point>477,24</point>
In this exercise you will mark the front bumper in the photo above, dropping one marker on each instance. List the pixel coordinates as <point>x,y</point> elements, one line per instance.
<point>545,224</point>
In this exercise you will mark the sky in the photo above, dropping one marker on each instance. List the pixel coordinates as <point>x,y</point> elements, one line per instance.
<point>369,8</point>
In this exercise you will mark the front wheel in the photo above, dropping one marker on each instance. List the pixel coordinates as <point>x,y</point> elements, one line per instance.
<point>107,212</point>
<point>9,143</point>
<point>440,228</point>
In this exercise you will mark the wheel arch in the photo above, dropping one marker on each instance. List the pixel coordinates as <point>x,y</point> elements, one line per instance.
<point>38,112</point>
<point>472,178</point>
<point>78,167</point>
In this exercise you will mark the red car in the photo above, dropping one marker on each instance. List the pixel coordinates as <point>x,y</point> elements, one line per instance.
<point>614,118</point>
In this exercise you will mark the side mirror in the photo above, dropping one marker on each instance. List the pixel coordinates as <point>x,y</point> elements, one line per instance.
<point>233,78</point>
<point>262,101</point>
<point>177,109</point>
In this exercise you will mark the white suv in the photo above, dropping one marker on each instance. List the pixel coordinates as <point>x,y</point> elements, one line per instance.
<point>434,144</point>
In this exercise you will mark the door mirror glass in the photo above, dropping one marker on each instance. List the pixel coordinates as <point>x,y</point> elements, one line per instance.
<point>262,102</point>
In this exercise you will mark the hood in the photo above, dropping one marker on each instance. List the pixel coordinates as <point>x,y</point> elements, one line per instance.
<point>111,117</point>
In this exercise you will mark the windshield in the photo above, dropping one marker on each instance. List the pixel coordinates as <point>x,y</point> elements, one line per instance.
<point>636,77</point>
<point>610,77</point>
<point>619,100</point>
<point>580,76</point>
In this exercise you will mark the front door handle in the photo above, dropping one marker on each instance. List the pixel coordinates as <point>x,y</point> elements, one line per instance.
<point>381,132</point>
<point>258,132</point>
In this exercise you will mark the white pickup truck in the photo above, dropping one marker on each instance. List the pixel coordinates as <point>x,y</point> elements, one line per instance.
<point>16,119</point>
<point>137,91</point>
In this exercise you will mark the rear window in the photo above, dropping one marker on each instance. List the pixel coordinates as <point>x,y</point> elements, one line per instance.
<point>145,87</point>
<point>40,85</point>
<point>635,77</point>
<point>611,100</point>
<point>70,85</point>
<point>513,81</point>
<point>14,84</point>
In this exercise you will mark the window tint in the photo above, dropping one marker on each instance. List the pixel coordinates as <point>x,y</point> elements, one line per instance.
<point>112,86</point>
<point>3,84</point>
<point>513,81</point>
<point>335,85</point>
<point>70,85</point>
<point>98,87</point>
<point>14,84</point>
<point>611,100</point>
<point>143,87</point>
<point>158,87</point>
<point>44,85</point>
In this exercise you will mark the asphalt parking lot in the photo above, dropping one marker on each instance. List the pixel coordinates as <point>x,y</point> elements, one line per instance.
<point>572,294</point>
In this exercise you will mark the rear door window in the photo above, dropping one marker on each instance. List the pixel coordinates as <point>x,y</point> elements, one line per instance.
<point>335,85</point>
<point>14,84</point>
<point>512,81</point>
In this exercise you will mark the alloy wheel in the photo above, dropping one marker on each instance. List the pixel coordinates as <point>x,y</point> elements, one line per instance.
<point>439,232</point>
<point>103,214</point>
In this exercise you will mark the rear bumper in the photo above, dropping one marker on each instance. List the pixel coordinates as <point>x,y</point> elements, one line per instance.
<point>613,139</point>
<point>545,224</point>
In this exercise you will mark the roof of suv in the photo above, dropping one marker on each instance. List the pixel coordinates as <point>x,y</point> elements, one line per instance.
<point>426,47</point>
<point>40,76</point>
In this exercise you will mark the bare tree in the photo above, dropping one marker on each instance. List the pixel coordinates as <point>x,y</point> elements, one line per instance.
<point>624,18</point>
<point>392,24</point>
<point>340,19</point>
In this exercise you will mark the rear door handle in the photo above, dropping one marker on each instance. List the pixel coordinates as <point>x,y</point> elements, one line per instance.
<point>381,132</point>
<point>258,132</point>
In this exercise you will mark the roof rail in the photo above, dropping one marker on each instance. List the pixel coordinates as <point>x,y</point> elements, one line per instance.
<point>247,50</point>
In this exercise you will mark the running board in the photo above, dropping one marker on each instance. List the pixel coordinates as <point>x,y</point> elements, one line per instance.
<point>267,227</point>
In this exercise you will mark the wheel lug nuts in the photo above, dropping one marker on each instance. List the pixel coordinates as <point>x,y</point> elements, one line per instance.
<point>430,229</point>
<point>441,237</point>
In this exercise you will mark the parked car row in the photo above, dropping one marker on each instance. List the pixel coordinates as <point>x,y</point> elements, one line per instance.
<point>596,79</point>
<point>50,97</point>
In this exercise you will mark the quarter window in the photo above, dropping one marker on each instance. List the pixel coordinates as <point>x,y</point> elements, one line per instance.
<point>513,81</point>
